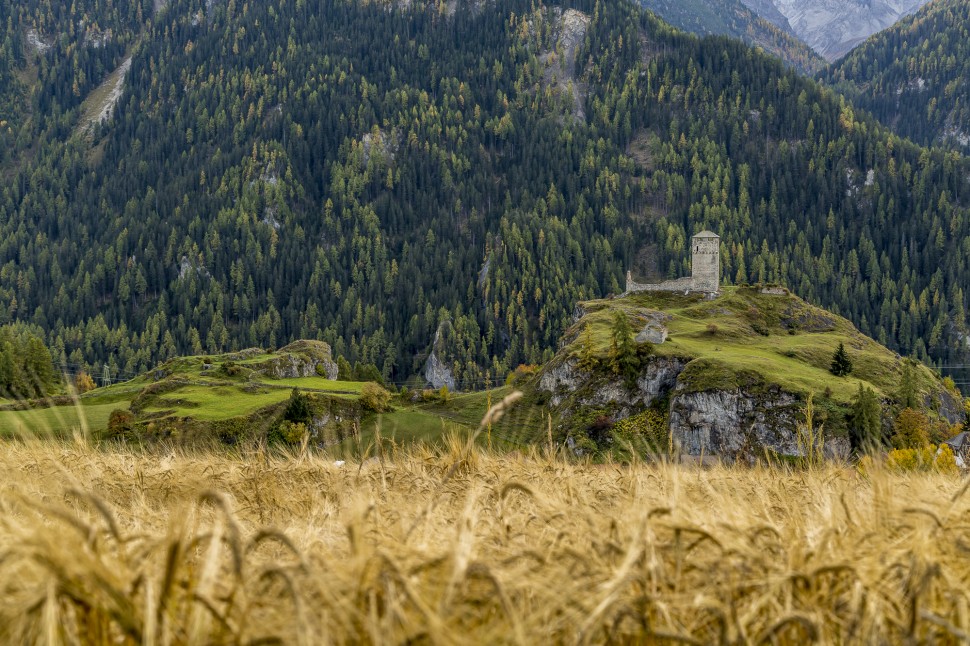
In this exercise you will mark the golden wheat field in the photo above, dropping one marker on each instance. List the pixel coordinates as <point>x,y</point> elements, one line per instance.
<point>458,546</point>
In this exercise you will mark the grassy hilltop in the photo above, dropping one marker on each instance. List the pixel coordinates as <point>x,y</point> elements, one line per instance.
<point>755,334</point>
<point>730,375</point>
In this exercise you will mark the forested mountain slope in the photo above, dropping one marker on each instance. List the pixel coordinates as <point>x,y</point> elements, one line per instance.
<point>733,18</point>
<point>914,76</point>
<point>385,178</point>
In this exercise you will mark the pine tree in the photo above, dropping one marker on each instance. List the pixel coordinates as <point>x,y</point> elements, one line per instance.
<point>841,364</point>
<point>39,367</point>
<point>83,382</point>
<point>907,397</point>
<point>912,430</point>
<point>623,358</point>
<point>587,359</point>
<point>866,420</point>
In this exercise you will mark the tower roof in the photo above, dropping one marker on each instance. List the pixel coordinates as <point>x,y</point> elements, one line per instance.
<point>707,234</point>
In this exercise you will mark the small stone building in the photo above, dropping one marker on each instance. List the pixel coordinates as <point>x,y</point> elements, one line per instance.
<point>705,269</point>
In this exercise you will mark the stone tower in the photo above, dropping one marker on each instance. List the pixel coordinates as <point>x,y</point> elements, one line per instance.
<point>706,262</point>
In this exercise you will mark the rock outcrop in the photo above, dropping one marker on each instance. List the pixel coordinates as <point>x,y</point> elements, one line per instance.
<point>733,424</point>
<point>436,371</point>
<point>740,425</point>
<point>301,359</point>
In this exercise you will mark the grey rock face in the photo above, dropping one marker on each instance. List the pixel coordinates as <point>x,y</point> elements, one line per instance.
<point>561,379</point>
<point>731,424</point>
<point>654,382</point>
<point>438,374</point>
<point>436,371</point>
<point>559,70</point>
<point>740,426</point>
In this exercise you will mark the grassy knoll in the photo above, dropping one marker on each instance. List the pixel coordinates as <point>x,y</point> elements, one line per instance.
<point>215,401</point>
<point>778,338</point>
<point>206,388</point>
<point>440,545</point>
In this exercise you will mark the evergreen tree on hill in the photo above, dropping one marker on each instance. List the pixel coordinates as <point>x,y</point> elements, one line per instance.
<point>841,364</point>
<point>866,429</point>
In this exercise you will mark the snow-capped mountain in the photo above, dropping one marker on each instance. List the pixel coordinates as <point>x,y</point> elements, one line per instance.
<point>833,27</point>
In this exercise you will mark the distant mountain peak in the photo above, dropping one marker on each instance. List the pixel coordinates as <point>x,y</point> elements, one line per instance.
<point>833,27</point>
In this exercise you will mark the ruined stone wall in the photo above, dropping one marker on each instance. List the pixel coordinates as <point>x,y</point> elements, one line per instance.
<point>679,284</point>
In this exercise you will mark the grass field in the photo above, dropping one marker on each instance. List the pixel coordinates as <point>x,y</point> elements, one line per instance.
<point>58,421</point>
<point>456,546</point>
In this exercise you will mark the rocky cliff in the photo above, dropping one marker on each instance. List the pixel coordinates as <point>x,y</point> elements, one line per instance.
<point>734,423</point>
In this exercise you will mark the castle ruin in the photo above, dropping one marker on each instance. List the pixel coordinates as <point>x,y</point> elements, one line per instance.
<point>705,269</point>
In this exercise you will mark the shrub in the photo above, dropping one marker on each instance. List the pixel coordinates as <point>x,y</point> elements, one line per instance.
<point>946,462</point>
<point>712,328</point>
<point>443,394</point>
<point>926,458</point>
<point>650,427</point>
<point>912,430</point>
<point>83,382</point>
<point>231,369</point>
<point>120,422</point>
<point>521,373</point>
<point>644,351</point>
<point>950,385</point>
<point>374,398</point>
<point>293,432</point>
<point>298,408</point>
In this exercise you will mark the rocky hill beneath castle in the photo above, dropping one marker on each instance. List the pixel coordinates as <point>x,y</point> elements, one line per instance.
<point>728,376</point>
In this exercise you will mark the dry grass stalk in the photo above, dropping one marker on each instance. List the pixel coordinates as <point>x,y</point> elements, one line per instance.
<point>115,546</point>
